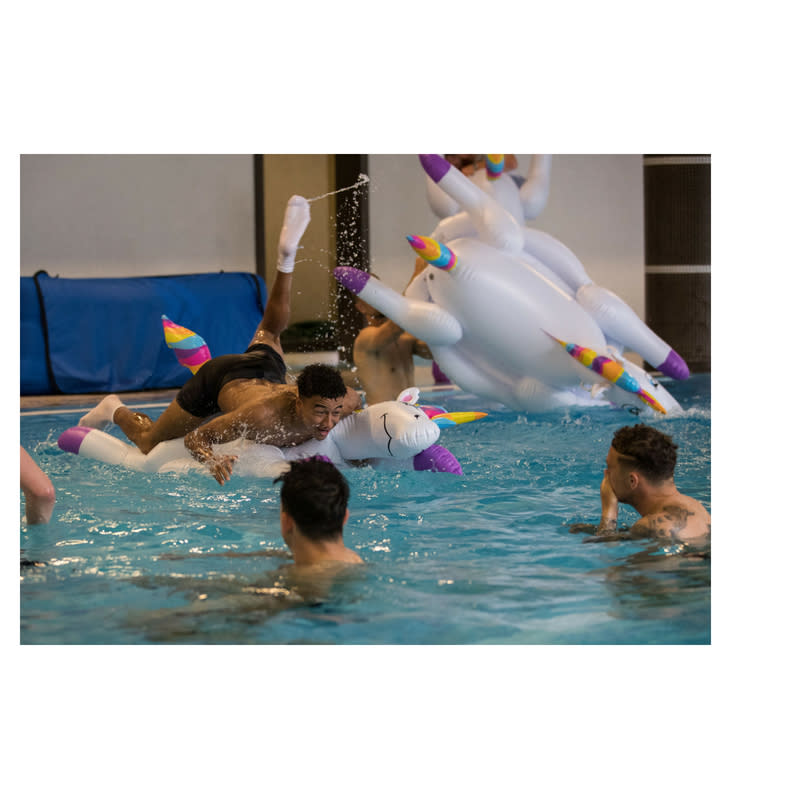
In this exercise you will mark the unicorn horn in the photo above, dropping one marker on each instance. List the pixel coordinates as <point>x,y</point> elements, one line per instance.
<point>495,166</point>
<point>435,253</point>
<point>451,418</point>
<point>609,369</point>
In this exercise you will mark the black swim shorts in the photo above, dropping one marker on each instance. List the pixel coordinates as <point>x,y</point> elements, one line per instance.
<point>199,394</point>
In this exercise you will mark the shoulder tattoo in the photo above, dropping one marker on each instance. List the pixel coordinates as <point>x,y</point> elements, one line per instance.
<point>670,521</point>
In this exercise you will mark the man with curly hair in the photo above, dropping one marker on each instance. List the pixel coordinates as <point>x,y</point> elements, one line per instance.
<point>247,391</point>
<point>639,471</point>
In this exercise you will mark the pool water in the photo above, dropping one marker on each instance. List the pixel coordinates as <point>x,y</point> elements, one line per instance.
<point>483,558</point>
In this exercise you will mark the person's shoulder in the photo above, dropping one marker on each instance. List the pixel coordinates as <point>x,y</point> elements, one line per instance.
<point>265,407</point>
<point>684,517</point>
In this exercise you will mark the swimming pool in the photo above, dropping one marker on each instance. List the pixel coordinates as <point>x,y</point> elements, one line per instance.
<point>483,558</point>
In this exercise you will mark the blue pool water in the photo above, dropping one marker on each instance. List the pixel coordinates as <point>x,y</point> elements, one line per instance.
<point>483,558</point>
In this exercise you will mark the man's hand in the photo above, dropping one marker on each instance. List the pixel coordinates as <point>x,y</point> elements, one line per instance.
<point>221,467</point>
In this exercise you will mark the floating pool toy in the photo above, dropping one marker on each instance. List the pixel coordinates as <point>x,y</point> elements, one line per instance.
<point>498,299</point>
<point>391,436</point>
<point>190,349</point>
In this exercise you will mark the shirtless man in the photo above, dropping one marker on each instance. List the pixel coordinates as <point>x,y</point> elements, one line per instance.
<point>384,355</point>
<point>639,471</point>
<point>314,511</point>
<point>248,391</point>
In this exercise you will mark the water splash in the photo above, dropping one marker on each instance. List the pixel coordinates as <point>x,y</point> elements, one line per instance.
<point>362,179</point>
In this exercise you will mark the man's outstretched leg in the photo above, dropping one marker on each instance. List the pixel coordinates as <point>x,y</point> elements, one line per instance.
<point>139,428</point>
<point>276,314</point>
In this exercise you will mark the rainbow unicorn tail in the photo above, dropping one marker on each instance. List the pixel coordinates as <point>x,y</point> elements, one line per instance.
<point>611,370</point>
<point>190,349</point>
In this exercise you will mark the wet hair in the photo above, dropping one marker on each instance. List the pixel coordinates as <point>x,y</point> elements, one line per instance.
<point>653,452</point>
<point>315,494</point>
<point>320,380</point>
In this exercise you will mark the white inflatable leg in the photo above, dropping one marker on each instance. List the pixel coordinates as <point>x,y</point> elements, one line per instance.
<point>621,323</point>
<point>440,202</point>
<point>547,273</point>
<point>494,224</point>
<point>454,228</point>
<point>426,321</point>
<point>503,190</point>
<point>557,256</point>
<point>92,443</point>
<point>534,192</point>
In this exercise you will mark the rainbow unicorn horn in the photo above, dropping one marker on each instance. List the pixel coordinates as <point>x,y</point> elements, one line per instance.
<point>435,253</point>
<point>609,369</point>
<point>495,166</point>
<point>190,349</point>
<point>447,419</point>
<point>451,418</point>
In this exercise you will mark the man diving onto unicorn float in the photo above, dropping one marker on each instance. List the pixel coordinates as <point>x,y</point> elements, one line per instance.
<point>248,392</point>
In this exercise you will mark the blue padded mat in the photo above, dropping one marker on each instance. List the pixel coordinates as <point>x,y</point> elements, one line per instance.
<point>86,335</point>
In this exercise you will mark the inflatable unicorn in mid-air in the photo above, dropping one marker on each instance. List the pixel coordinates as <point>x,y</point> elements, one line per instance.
<point>509,312</point>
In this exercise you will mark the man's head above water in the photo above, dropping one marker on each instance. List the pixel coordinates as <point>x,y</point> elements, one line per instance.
<point>320,398</point>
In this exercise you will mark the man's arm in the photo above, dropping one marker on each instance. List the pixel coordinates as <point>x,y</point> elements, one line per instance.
<point>609,507</point>
<point>200,441</point>
<point>352,402</point>
<point>421,349</point>
<point>40,496</point>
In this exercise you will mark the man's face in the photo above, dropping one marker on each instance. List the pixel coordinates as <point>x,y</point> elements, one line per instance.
<point>320,413</point>
<point>618,470</point>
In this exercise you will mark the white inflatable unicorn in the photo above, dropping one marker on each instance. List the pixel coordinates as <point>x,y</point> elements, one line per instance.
<point>395,435</point>
<point>398,434</point>
<point>509,312</point>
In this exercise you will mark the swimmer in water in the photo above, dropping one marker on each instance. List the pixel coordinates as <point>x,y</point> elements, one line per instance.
<point>314,498</point>
<point>639,471</point>
<point>384,355</point>
<point>248,391</point>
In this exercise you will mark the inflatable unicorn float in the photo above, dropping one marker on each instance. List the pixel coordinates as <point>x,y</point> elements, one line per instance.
<point>394,435</point>
<point>508,311</point>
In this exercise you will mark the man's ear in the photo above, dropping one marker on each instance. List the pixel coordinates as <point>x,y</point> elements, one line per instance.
<point>287,523</point>
<point>633,479</point>
<point>346,517</point>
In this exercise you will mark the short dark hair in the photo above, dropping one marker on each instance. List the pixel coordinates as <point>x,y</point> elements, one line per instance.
<point>315,494</point>
<point>320,380</point>
<point>653,452</point>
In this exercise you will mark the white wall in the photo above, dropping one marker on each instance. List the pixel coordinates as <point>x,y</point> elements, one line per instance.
<point>90,216</point>
<point>126,215</point>
<point>596,208</point>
